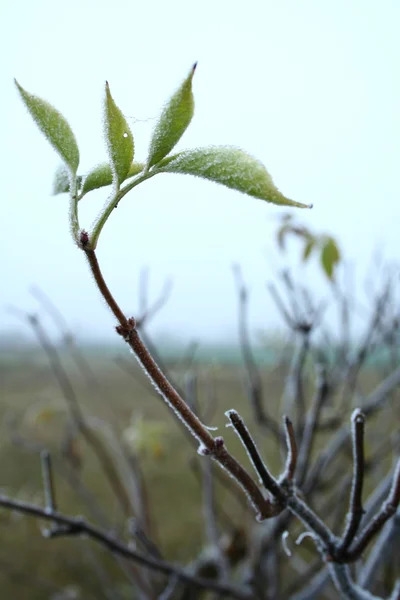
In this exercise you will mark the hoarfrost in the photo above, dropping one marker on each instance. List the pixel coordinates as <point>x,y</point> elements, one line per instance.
<point>285,544</point>
<point>231,167</point>
<point>230,412</point>
<point>203,450</point>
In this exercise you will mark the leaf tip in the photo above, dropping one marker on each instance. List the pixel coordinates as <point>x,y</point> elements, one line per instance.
<point>18,86</point>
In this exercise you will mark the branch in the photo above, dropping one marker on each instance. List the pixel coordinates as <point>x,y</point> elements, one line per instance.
<point>79,526</point>
<point>255,387</point>
<point>208,445</point>
<point>356,511</point>
<point>265,477</point>
<point>388,509</point>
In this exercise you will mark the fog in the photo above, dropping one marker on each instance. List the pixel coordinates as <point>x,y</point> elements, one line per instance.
<point>310,88</point>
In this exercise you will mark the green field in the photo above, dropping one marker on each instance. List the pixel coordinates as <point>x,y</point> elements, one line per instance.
<point>34,413</point>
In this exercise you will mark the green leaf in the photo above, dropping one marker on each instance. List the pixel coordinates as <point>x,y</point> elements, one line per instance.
<point>231,167</point>
<point>174,120</point>
<point>119,139</point>
<point>330,257</point>
<point>308,248</point>
<point>101,176</point>
<point>54,126</point>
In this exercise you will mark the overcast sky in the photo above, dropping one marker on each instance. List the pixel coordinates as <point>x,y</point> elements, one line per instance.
<point>311,88</point>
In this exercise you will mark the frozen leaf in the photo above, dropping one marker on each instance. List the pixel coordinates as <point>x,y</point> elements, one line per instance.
<point>98,177</point>
<point>61,181</point>
<point>231,167</point>
<point>54,126</point>
<point>330,256</point>
<point>135,169</point>
<point>101,176</point>
<point>119,138</point>
<point>173,122</point>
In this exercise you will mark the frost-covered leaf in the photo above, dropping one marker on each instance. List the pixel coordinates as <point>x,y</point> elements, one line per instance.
<point>101,176</point>
<point>61,181</point>
<point>135,169</point>
<point>231,167</point>
<point>330,257</point>
<point>119,138</point>
<point>98,177</point>
<point>54,126</point>
<point>174,120</point>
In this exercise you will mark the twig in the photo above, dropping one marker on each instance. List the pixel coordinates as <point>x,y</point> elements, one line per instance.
<point>78,418</point>
<point>254,382</point>
<point>373,403</point>
<point>147,312</point>
<point>311,424</point>
<point>385,544</point>
<point>356,511</point>
<point>208,445</point>
<point>48,483</point>
<point>79,526</point>
<point>386,512</point>
<point>291,459</point>
<point>265,477</point>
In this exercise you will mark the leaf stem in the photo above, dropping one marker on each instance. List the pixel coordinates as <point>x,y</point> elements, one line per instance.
<point>113,201</point>
<point>73,208</point>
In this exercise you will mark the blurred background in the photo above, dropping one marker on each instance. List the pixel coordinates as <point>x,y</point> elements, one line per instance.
<point>312,89</point>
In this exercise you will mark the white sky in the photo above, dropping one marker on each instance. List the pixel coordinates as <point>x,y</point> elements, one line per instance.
<point>312,88</point>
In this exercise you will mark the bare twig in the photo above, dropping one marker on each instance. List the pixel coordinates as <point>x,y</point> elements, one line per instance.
<point>68,392</point>
<point>265,477</point>
<point>254,381</point>
<point>208,445</point>
<point>372,529</point>
<point>292,454</point>
<point>355,509</point>
<point>311,424</point>
<point>381,550</point>
<point>79,526</point>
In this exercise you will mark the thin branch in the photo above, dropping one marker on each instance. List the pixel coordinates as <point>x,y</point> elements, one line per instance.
<point>383,547</point>
<point>388,509</point>
<point>68,392</point>
<point>356,511</point>
<point>311,424</point>
<point>254,381</point>
<point>148,311</point>
<point>79,526</point>
<point>208,445</point>
<point>372,403</point>
<point>291,459</point>
<point>266,478</point>
<point>48,483</point>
